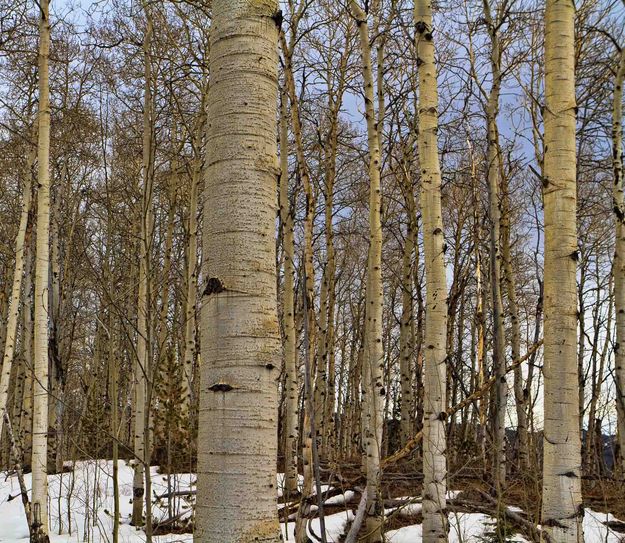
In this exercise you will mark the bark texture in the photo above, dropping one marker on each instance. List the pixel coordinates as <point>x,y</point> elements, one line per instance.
<point>373,382</point>
<point>619,255</point>
<point>240,337</point>
<point>291,413</point>
<point>435,525</point>
<point>562,498</point>
<point>16,288</point>
<point>40,382</point>
<point>142,361</point>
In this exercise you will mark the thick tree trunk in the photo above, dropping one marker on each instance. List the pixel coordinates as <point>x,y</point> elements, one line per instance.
<point>40,382</point>
<point>237,443</point>
<point>562,498</point>
<point>435,525</point>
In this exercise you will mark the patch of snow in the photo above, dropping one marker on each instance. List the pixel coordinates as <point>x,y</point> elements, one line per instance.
<point>340,499</point>
<point>84,499</point>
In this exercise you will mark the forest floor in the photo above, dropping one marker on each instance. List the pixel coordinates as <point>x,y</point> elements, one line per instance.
<point>81,502</point>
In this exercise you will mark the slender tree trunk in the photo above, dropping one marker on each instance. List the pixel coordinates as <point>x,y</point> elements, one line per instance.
<point>435,525</point>
<point>407,325</point>
<point>192,269</point>
<point>241,341</point>
<point>291,415</point>
<point>374,355</point>
<point>562,499</point>
<point>309,272</point>
<point>619,254</point>
<point>40,383</point>
<point>521,399</point>
<point>26,406</point>
<point>14,300</point>
<point>142,362</point>
<point>493,166</point>
<point>406,334</point>
<point>329,272</point>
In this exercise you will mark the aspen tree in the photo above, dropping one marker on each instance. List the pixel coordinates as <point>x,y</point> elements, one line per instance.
<point>25,408</point>
<point>309,270</point>
<point>406,333</point>
<point>562,499</point>
<point>291,413</point>
<point>237,443</point>
<point>39,527</point>
<point>619,253</point>
<point>373,383</point>
<point>192,267</point>
<point>493,163</point>
<point>435,526</point>
<point>14,300</point>
<point>142,360</point>
<point>515,327</point>
<point>337,80</point>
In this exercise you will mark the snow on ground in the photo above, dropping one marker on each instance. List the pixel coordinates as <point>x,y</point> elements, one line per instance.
<point>85,514</point>
<point>86,519</point>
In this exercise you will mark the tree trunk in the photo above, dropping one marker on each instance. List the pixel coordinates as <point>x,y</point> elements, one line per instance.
<point>237,443</point>
<point>562,499</point>
<point>309,272</point>
<point>373,381</point>
<point>521,398</point>
<point>619,254</point>
<point>192,269</point>
<point>435,525</point>
<point>493,165</point>
<point>291,415</point>
<point>40,381</point>
<point>14,301</point>
<point>407,350</point>
<point>142,360</point>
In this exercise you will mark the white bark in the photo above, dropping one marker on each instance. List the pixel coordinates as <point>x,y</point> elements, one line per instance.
<point>619,254</point>
<point>373,382</point>
<point>142,361</point>
<point>562,498</point>
<point>291,415</point>
<point>435,526</point>
<point>14,300</point>
<point>40,382</point>
<point>237,442</point>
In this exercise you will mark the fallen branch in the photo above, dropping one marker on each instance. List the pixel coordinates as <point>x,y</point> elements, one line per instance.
<point>357,522</point>
<point>479,393</point>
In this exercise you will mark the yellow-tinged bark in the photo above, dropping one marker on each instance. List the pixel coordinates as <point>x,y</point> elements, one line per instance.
<point>237,442</point>
<point>562,499</point>
<point>435,525</point>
